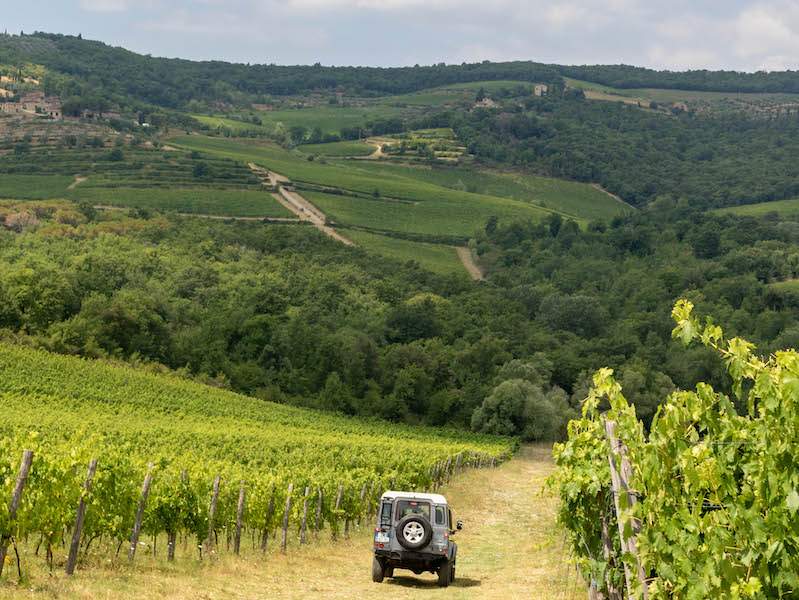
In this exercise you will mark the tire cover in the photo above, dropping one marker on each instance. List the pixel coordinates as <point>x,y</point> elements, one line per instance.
<point>415,522</point>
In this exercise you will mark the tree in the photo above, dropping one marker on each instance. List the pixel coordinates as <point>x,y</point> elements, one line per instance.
<point>200,170</point>
<point>335,396</point>
<point>520,408</point>
<point>297,134</point>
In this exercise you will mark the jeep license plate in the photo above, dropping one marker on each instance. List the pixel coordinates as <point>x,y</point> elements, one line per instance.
<point>381,538</point>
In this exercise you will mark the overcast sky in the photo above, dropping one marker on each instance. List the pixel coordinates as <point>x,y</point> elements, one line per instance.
<point>680,34</point>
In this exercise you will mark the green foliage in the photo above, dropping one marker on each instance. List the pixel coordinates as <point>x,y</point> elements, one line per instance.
<point>637,154</point>
<point>718,501</point>
<point>517,407</point>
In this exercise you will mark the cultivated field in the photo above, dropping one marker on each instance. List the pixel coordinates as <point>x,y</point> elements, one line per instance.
<point>396,202</point>
<point>784,208</point>
<point>697,99</point>
<point>438,258</point>
<point>221,202</point>
<point>338,149</point>
<point>33,187</point>
<point>185,435</point>
<point>578,200</point>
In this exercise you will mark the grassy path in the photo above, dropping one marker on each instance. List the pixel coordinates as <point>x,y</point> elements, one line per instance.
<point>509,549</point>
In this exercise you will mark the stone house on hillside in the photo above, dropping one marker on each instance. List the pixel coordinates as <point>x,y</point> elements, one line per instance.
<point>35,104</point>
<point>540,89</point>
<point>31,101</point>
<point>486,103</point>
<point>10,107</point>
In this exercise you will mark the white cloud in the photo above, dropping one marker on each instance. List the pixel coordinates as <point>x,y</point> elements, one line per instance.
<point>740,34</point>
<point>107,6</point>
<point>767,34</point>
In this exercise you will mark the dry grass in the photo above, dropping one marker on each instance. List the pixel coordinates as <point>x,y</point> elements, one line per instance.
<point>509,548</point>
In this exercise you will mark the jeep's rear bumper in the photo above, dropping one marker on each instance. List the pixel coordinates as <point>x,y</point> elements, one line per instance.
<point>417,562</point>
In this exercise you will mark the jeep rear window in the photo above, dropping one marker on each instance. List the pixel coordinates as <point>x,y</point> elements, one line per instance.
<point>412,507</point>
<point>440,515</point>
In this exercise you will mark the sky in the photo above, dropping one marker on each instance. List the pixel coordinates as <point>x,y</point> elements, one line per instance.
<point>680,34</point>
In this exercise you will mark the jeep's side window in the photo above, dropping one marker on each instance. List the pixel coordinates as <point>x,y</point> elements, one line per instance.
<point>449,514</point>
<point>385,515</point>
<point>440,515</point>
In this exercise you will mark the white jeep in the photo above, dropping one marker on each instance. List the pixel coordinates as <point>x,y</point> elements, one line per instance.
<point>414,532</point>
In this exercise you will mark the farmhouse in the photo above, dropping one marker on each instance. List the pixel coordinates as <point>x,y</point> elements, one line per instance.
<point>31,100</point>
<point>540,89</point>
<point>486,103</point>
<point>34,104</point>
<point>10,107</point>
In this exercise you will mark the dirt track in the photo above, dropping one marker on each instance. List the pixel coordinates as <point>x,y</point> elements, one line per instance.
<point>465,254</point>
<point>294,202</point>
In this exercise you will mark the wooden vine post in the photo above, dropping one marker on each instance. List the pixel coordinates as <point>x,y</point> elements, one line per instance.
<point>74,547</point>
<point>239,519</point>
<point>360,508</point>
<point>337,506</point>
<point>607,552</point>
<point>145,492</point>
<point>285,534</point>
<point>304,523</point>
<point>620,481</point>
<point>172,536</point>
<point>270,511</point>
<point>318,522</point>
<point>16,498</point>
<point>209,541</point>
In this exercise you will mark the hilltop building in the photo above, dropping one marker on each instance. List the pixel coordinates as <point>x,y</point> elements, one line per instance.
<point>540,89</point>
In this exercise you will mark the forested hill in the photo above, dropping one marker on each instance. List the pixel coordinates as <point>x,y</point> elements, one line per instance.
<point>625,76</point>
<point>83,68</point>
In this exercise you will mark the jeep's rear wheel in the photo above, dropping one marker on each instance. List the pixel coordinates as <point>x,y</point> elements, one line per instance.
<point>445,574</point>
<point>378,572</point>
<point>414,532</point>
<point>452,574</point>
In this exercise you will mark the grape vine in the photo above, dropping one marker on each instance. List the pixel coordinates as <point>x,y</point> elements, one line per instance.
<point>718,487</point>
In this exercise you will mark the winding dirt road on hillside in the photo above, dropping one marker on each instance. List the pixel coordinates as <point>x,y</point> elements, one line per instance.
<point>509,549</point>
<point>305,210</point>
<point>467,258</point>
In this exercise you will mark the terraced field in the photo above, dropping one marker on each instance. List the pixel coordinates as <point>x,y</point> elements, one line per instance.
<point>141,178</point>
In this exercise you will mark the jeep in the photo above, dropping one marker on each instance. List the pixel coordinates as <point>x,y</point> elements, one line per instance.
<point>414,532</point>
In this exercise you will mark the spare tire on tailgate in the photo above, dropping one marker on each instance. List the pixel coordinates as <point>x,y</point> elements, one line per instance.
<point>414,532</point>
